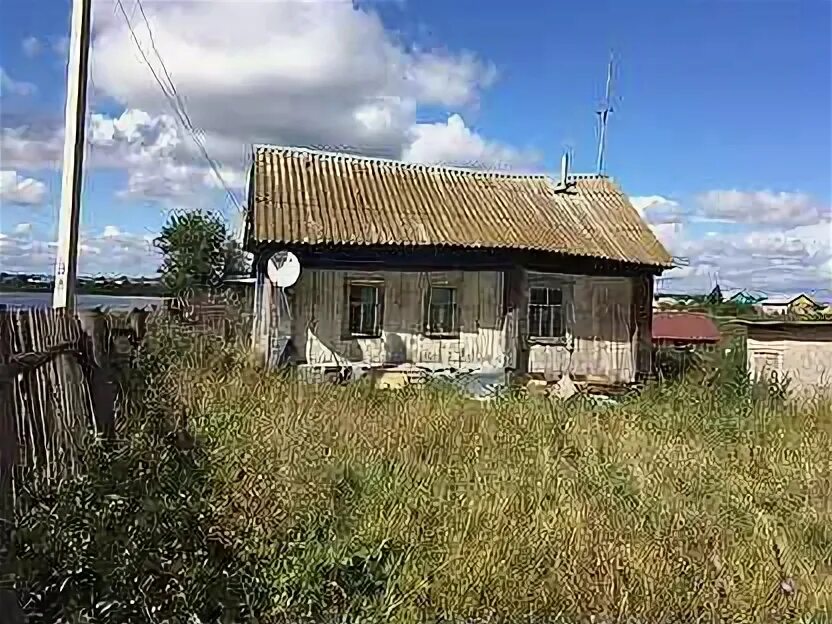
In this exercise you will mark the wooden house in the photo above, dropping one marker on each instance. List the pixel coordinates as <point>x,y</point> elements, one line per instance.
<point>413,267</point>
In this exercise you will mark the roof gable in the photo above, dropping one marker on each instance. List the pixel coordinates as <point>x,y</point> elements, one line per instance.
<point>314,198</point>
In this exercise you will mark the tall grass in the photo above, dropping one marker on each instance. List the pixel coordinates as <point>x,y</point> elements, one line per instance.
<point>693,502</point>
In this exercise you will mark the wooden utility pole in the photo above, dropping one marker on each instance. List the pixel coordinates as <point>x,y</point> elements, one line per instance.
<point>66,263</point>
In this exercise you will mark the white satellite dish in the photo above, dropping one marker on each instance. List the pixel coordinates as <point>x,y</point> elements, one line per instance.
<point>283,269</point>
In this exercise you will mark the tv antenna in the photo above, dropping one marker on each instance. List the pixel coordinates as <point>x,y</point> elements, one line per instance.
<point>603,117</point>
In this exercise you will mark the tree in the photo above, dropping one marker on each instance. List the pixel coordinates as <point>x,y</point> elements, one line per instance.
<point>197,252</point>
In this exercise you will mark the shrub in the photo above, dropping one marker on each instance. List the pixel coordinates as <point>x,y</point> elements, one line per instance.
<point>133,538</point>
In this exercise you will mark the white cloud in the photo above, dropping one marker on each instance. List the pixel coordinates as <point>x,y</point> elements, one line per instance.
<point>761,207</point>
<point>779,243</point>
<point>776,262</point>
<point>642,202</point>
<point>10,86</point>
<point>322,73</point>
<point>23,228</point>
<point>60,45</point>
<point>16,189</point>
<point>111,231</point>
<point>449,80</point>
<point>453,143</point>
<point>659,210</point>
<point>31,46</point>
<point>128,254</point>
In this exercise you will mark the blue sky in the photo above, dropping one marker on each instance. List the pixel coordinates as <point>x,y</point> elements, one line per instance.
<point>721,130</point>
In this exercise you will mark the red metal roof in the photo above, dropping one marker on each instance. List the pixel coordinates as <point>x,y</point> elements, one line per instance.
<point>684,327</point>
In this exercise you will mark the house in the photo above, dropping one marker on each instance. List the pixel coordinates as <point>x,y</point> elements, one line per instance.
<point>413,267</point>
<point>800,351</point>
<point>684,329</point>
<point>746,297</point>
<point>801,305</point>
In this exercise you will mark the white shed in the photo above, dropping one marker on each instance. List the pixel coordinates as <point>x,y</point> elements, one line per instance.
<point>798,350</point>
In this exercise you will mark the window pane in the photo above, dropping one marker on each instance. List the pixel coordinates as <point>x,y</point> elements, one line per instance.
<point>440,311</point>
<point>366,294</point>
<point>441,318</point>
<point>555,296</point>
<point>537,296</point>
<point>441,295</point>
<point>363,310</point>
<point>540,320</point>
<point>557,322</point>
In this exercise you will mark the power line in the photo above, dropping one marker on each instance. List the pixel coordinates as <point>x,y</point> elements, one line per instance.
<point>174,100</point>
<point>178,104</point>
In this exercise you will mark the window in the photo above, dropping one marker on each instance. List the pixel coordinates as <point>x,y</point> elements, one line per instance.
<point>546,313</point>
<point>441,312</point>
<point>366,303</point>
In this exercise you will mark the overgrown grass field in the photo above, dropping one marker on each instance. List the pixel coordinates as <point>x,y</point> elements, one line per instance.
<point>692,502</point>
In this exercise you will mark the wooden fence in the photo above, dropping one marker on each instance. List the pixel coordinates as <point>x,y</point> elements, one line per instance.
<point>60,372</point>
<point>60,378</point>
<point>58,383</point>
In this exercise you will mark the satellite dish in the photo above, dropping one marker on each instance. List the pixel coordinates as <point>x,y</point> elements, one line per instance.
<point>283,269</point>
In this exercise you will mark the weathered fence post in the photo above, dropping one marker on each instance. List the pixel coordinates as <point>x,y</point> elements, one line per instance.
<point>99,373</point>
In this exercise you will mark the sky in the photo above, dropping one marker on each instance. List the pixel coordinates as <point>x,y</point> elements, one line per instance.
<point>721,130</point>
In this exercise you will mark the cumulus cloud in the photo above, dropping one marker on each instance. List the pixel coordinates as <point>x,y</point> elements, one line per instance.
<point>16,189</point>
<point>323,73</point>
<point>761,207</point>
<point>60,45</point>
<point>107,252</point>
<point>776,262</point>
<point>777,242</point>
<point>23,228</point>
<point>453,143</point>
<point>32,146</point>
<point>449,80</point>
<point>320,73</point>
<point>31,46</point>
<point>10,86</point>
<point>658,210</point>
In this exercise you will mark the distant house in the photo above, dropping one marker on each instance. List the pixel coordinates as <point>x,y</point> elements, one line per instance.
<point>801,305</point>
<point>416,267</point>
<point>747,297</point>
<point>798,350</point>
<point>684,329</point>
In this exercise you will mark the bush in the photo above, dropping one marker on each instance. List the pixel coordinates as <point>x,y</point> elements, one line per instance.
<point>133,538</point>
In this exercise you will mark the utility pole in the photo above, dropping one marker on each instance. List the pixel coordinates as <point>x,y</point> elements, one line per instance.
<point>603,116</point>
<point>66,263</point>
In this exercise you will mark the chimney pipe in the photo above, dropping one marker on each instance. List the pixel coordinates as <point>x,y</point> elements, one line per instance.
<point>564,168</point>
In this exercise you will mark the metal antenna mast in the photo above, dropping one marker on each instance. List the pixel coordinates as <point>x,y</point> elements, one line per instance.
<point>603,116</point>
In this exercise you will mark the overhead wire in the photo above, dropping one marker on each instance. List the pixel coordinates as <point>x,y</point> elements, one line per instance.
<point>173,98</point>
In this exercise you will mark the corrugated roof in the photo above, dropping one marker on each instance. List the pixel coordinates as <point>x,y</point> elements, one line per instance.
<point>684,326</point>
<point>310,197</point>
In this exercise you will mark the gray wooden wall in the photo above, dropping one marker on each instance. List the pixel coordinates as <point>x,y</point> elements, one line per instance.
<point>601,344</point>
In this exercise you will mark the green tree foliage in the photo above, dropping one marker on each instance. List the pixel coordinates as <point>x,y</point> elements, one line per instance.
<point>197,253</point>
